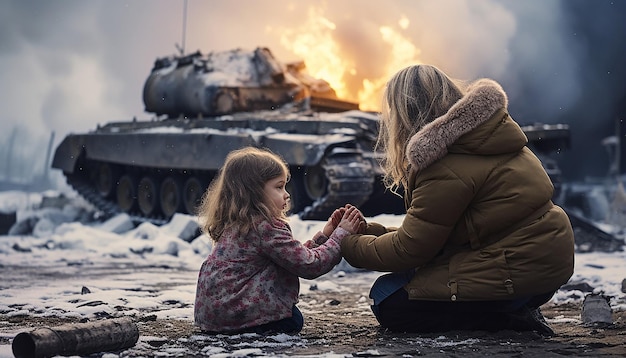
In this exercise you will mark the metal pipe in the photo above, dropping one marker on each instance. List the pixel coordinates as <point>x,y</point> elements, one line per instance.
<point>77,339</point>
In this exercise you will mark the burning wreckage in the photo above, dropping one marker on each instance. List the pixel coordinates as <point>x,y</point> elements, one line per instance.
<point>597,206</point>
<point>207,105</point>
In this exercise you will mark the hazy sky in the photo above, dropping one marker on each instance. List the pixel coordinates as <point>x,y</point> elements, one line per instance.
<point>68,65</point>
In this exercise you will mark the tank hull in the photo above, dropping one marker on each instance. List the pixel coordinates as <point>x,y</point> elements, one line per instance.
<point>330,156</point>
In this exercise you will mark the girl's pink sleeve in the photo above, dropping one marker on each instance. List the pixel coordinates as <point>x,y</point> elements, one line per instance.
<point>339,234</point>
<point>278,244</point>
<point>316,241</point>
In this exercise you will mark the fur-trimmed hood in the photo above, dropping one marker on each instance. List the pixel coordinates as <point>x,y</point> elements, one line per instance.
<point>482,99</point>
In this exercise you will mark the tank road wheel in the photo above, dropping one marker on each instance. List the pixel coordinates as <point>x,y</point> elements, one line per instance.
<point>148,196</point>
<point>224,103</point>
<point>171,196</point>
<point>298,196</point>
<point>105,179</point>
<point>192,194</point>
<point>306,186</point>
<point>295,195</point>
<point>315,182</point>
<point>127,193</point>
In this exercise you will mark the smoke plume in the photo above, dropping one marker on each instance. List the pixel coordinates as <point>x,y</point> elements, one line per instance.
<point>70,65</point>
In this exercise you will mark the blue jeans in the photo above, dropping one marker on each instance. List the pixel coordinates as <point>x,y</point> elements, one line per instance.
<point>386,285</point>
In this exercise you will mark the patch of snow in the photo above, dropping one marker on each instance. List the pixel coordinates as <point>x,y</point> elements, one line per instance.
<point>111,266</point>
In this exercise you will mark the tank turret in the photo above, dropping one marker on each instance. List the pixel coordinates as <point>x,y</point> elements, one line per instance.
<point>219,83</point>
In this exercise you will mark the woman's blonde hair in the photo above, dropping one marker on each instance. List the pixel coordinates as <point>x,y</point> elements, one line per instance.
<point>236,196</point>
<point>413,97</point>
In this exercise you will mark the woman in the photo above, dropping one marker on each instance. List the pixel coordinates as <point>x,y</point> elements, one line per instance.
<point>482,246</point>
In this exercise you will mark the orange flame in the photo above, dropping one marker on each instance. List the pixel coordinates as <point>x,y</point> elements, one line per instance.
<point>315,43</point>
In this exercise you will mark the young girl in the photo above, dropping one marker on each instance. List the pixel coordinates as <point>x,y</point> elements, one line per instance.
<point>250,281</point>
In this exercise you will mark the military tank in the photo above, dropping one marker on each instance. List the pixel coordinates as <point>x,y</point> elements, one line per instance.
<point>208,105</point>
<point>205,106</point>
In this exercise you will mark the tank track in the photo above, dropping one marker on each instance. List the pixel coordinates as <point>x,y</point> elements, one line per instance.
<point>107,207</point>
<point>350,181</point>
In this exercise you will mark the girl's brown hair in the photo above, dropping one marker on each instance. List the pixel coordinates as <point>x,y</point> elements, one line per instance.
<point>413,97</point>
<point>236,196</point>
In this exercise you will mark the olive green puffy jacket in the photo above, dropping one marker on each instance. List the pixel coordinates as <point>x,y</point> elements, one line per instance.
<point>480,223</point>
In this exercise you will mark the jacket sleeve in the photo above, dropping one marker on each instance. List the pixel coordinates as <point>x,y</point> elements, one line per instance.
<point>279,245</point>
<point>316,241</point>
<point>439,199</point>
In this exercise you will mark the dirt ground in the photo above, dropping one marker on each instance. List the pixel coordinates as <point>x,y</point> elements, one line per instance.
<point>335,326</point>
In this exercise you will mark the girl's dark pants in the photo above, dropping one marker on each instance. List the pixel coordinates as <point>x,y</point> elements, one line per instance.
<point>396,312</point>
<point>291,324</point>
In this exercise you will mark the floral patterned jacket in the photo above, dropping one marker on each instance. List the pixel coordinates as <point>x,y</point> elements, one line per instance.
<point>254,279</point>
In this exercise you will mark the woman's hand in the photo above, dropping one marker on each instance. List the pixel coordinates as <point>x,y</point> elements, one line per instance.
<point>333,221</point>
<point>352,220</point>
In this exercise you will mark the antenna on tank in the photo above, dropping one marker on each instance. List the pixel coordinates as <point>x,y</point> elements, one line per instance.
<point>181,48</point>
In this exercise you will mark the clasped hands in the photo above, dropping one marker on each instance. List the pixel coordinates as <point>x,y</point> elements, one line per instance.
<point>348,218</point>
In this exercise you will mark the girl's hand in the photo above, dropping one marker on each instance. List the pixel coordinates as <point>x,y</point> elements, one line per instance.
<point>333,221</point>
<point>363,224</point>
<point>351,220</point>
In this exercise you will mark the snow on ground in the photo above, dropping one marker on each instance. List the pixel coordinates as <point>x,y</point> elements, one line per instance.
<point>152,269</point>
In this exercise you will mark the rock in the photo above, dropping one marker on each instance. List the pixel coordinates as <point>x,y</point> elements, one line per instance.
<point>23,227</point>
<point>580,286</point>
<point>44,228</point>
<point>42,222</point>
<point>7,220</point>
<point>171,248</point>
<point>56,216</point>
<point>141,250</point>
<point>145,231</point>
<point>624,285</point>
<point>202,245</point>
<point>19,248</point>
<point>118,224</point>
<point>596,310</point>
<point>54,200</point>
<point>182,226</point>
